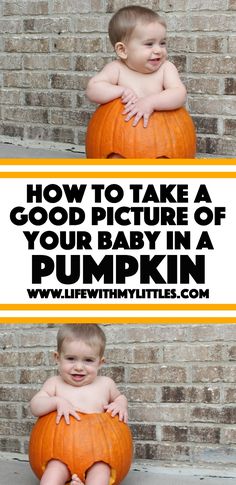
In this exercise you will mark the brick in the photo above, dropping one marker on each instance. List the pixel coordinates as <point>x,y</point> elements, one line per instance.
<point>25,8</point>
<point>13,428</point>
<point>202,85</point>
<point>10,376</point>
<point>11,62</point>
<point>224,106</point>
<point>168,6</point>
<point>12,97</point>
<point>207,414</point>
<point>48,99</point>
<point>88,45</point>
<point>179,43</point>
<point>174,433</point>
<point>70,118</point>
<point>10,26</point>
<point>25,80</point>
<point>116,373</point>
<point>10,445</point>
<point>30,376</point>
<point>8,411</point>
<point>118,355</point>
<point>85,63</point>
<point>165,452</point>
<point>230,86</point>
<point>210,64</point>
<point>152,413</point>
<point>211,44</point>
<point>47,25</point>
<point>199,434</point>
<point>208,373</point>
<point>32,358</point>
<point>70,6</point>
<point>230,127</point>
<point>32,116</point>
<point>206,125</point>
<point>208,5</point>
<point>179,61</point>
<point>190,394</point>
<point>8,359</point>
<point>90,24</point>
<point>10,130</point>
<point>68,81</point>
<point>7,340</point>
<point>158,374</point>
<point>140,394</point>
<point>230,395</point>
<point>143,431</point>
<point>228,436</point>
<point>192,353</point>
<point>212,22</point>
<point>62,135</point>
<point>50,62</point>
<point>150,354</point>
<point>19,44</point>
<point>217,146</point>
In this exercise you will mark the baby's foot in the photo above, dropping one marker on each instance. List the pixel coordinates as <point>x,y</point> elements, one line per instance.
<point>76,480</point>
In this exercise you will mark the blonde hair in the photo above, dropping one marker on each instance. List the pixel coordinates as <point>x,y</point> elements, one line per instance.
<point>90,333</point>
<point>125,20</point>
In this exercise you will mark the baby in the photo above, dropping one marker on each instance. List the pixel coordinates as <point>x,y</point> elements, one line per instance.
<point>142,76</point>
<point>78,388</point>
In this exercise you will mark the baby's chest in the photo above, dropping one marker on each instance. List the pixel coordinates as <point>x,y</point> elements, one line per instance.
<point>142,84</point>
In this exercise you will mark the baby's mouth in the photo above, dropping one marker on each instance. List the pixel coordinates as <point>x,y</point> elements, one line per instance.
<point>77,377</point>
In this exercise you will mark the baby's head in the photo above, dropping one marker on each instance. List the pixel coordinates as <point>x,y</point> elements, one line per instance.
<point>90,334</point>
<point>124,21</point>
<point>138,37</point>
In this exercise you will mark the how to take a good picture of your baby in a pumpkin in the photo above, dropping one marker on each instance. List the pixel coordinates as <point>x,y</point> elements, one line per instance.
<point>81,436</point>
<point>142,77</point>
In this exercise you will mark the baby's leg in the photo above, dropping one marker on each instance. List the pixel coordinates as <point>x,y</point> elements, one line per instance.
<point>98,474</point>
<point>115,155</point>
<point>56,473</point>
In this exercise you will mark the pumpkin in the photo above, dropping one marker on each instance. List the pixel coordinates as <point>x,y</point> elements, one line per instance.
<point>169,134</point>
<point>80,444</point>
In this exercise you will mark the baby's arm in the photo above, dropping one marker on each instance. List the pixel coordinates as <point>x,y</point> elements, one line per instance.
<point>103,87</point>
<point>46,401</point>
<point>118,404</point>
<point>172,97</point>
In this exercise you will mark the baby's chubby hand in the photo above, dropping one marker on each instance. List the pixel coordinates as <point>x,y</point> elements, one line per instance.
<point>65,409</point>
<point>142,108</point>
<point>128,96</point>
<point>115,408</point>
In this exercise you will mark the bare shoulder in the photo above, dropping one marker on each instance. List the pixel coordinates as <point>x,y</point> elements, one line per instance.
<point>105,381</point>
<point>51,383</point>
<point>110,72</point>
<point>169,67</point>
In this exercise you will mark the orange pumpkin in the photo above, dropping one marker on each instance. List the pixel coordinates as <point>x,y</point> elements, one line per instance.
<point>169,134</point>
<point>97,437</point>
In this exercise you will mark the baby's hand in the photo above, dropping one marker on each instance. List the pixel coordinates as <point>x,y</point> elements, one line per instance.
<point>65,408</point>
<point>142,108</point>
<point>128,96</point>
<point>119,408</point>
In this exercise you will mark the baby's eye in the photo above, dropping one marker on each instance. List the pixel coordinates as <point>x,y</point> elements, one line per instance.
<point>150,44</point>
<point>70,358</point>
<point>163,43</point>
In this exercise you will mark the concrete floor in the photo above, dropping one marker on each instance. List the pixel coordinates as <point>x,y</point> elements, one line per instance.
<point>8,150</point>
<point>16,471</point>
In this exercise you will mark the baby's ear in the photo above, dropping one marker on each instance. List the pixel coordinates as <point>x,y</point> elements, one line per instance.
<point>121,50</point>
<point>56,356</point>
